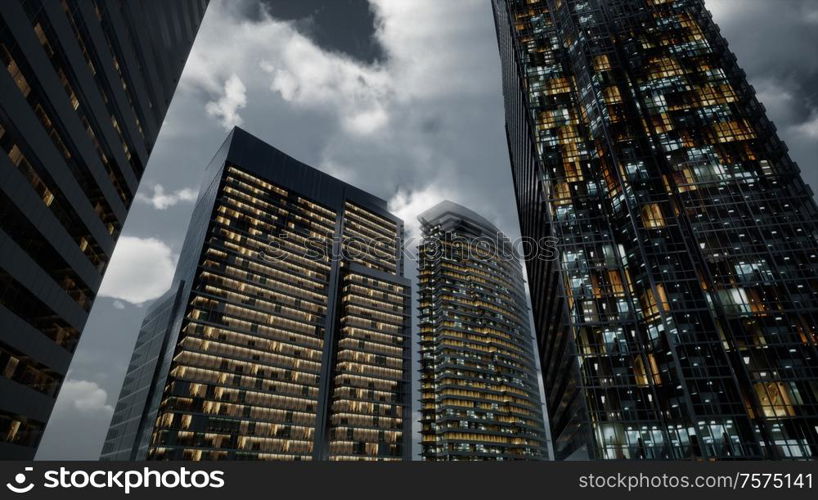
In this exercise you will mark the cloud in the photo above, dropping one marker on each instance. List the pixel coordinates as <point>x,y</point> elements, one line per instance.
<point>720,8</point>
<point>309,77</point>
<point>809,128</point>
<point>364,99</point>
<point>141,269</point>
<point>778,97</point>
<point>292,66</point>
<point>82,410</point>
<point>226,109</point>
<point>85,396</point>
<point>407,204</point>
<point>162,201</point>
<point>118,304</point>
<point>429,112</point>
<point>367,122</point>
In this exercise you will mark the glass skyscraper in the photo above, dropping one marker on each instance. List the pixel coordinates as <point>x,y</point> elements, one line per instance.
<point>679,320</point>
<point>480,397</point>
<point>84,93</point>
<point>286,333</point>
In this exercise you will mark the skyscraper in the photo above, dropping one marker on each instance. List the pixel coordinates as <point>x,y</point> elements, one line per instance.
<point>480,398</point>
<point>127,438</point>
<point>286,335</point>
<point>679,320</point>
<point>86,88</point>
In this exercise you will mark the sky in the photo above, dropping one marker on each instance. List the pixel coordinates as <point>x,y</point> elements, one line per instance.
<point>401,98</point>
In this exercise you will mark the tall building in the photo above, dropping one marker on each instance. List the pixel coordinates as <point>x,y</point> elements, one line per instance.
<point>480,397</point>
<point>86,88</point>
<point>128,422</point>
<point>679,320</point>
<point>286,334</point>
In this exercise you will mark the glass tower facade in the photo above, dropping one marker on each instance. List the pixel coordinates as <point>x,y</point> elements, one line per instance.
<point>292,340</point>
<point>85,90</point>
<point>127,423</point>
<point>679,320</point>
<point>480,396</point>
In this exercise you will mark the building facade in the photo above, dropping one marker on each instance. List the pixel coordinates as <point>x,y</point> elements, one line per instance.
<point>679,320</point>
<point>86,88</point>
<point>288,335</point>
<point>480,397</point>
<point>128,422</point>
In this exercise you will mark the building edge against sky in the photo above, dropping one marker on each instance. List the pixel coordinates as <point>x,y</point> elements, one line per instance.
<point>85,91</point>
<point>127,437</point>
<point>268,347</point>
<point>680,319</point>
<point>480,396</point>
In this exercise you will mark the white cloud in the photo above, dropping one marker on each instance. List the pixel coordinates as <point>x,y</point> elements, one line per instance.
<point>364,99</point>
<point>226,109</point>
<point>85,396</point>
<point>141,269</point>
<point>367,122</point>
<point>162,200</point>
<point>409,204</point>
<point>309,77</point>
<point>118,304</point>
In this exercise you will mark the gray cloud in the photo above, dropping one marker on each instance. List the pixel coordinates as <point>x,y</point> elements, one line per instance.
<point>345,26</point>
<point>227,107</point>
<point>162,200</point>
<point>342,26</point>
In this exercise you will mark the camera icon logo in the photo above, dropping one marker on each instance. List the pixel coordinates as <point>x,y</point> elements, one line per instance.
<point>20,480</point>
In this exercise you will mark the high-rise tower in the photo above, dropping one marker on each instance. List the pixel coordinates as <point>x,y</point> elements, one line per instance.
<point>286,335</point>
<point>86,88</point>
<point>679,320</point>
<point>480,398</point>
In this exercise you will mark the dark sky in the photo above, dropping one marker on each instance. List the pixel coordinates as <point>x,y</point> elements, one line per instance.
<point>399,97</point>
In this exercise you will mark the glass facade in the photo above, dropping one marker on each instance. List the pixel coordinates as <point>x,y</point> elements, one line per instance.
<point>293,340</point>
<point>85,90</point>
<point>679,320</point>
<point>369,413</point>
<point>480,396</point>
<point>128,420</point>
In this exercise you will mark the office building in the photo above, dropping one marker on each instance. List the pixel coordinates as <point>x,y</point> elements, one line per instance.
<point>286,335</point>
<point>127,422</point>
<point>86,88</point>
<point>480,397</point>
<point>679,320</point>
